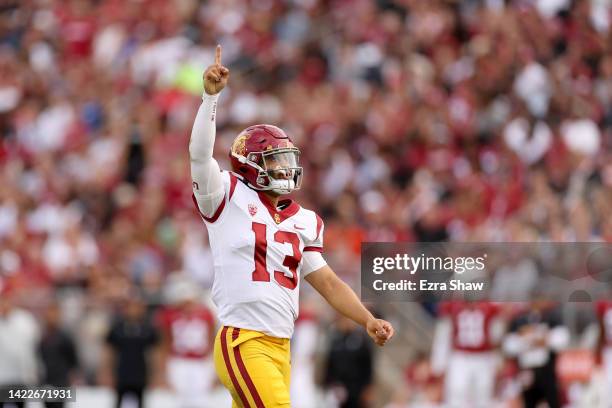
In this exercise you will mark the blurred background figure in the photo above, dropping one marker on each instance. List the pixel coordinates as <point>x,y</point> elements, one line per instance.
<point>188,331</point>
<point>604,346</point>
<point>130,343</point>
<point>57,352</point>
<point>19,337</point>
<point>348,372</point>
<point>465,352</point>
<point>304,347</point>
<point>423,387</point>
<point>536,336</point>
<point>598,338</point>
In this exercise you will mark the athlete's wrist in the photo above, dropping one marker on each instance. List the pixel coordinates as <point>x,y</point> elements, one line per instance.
<point>369,319</point>
<point>213,97</point>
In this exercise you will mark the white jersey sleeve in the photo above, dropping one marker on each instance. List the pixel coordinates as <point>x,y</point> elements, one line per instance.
<point>316,244</point>
<point>313,250</point>
<point>228,184</point>
<point>312,261</point>
<point>206,177</point>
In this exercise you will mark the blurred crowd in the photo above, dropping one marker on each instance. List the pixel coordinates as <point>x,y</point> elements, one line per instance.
<point>484,120</point>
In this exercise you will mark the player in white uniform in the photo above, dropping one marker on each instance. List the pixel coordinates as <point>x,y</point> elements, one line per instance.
<point>261,246</point>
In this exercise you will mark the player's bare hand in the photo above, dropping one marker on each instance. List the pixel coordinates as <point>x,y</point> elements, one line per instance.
<point>216,75</point>
<point>380,331</point>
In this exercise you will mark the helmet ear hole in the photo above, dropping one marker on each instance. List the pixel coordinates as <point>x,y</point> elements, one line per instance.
<point>242,169</point>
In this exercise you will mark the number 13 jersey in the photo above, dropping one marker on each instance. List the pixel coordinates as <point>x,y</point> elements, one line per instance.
<point>257,251</point>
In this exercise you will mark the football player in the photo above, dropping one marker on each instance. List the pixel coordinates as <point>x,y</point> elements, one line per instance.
<point>604,348</point>
<point>465,349</point>
<point>262,243</point>
<point>187,329</point>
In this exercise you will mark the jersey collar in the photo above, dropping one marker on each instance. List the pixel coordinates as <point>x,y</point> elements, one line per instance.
<point>277,215</point>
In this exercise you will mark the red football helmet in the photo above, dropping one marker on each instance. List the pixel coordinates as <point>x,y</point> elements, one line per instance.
<point>267,159</point>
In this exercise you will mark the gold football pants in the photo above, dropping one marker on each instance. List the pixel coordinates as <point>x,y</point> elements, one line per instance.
<point>254,367</point>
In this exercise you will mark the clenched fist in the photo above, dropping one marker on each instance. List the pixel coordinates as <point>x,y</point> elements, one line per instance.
<point>216,75</point>
<point>380,331</point>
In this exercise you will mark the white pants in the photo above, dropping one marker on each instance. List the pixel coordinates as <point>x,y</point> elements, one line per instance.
<point>303,388</point>
<point>192,380</point>
<point>606,362</point>
<point>470,379</point>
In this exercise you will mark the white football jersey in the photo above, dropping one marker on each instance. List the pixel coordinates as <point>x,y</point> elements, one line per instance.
<point>257,253</point>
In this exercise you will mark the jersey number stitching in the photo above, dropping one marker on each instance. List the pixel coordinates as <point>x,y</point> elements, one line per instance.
<point>261,274</point>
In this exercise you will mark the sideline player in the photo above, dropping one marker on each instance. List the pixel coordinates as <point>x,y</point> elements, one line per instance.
<point>261,244</point>
<point>465,349</point>
<point>604,347</point>
<point>187,329</point>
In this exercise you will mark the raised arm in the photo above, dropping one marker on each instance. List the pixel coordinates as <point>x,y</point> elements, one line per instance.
<point>205,173</point>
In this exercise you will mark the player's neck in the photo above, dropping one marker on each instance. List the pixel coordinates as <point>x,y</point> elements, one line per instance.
<point>273,198</point>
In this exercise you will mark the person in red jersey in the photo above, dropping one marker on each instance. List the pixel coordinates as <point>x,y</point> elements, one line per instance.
<point>469,334</point>
<point>604,315</point>
<point>262,244</point>
<point>188,329</point>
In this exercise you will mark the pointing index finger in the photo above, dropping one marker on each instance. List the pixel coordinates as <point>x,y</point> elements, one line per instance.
<point>218,55</point>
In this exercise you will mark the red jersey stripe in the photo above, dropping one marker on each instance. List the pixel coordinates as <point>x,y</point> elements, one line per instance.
<point>215,215</point>
<point>313,248</point>
<point>233,182</point>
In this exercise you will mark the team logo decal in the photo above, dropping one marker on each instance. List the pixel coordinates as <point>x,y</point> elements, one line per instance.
<point>239,146</point>
<point>252,209</point>
<point>277,218</point>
